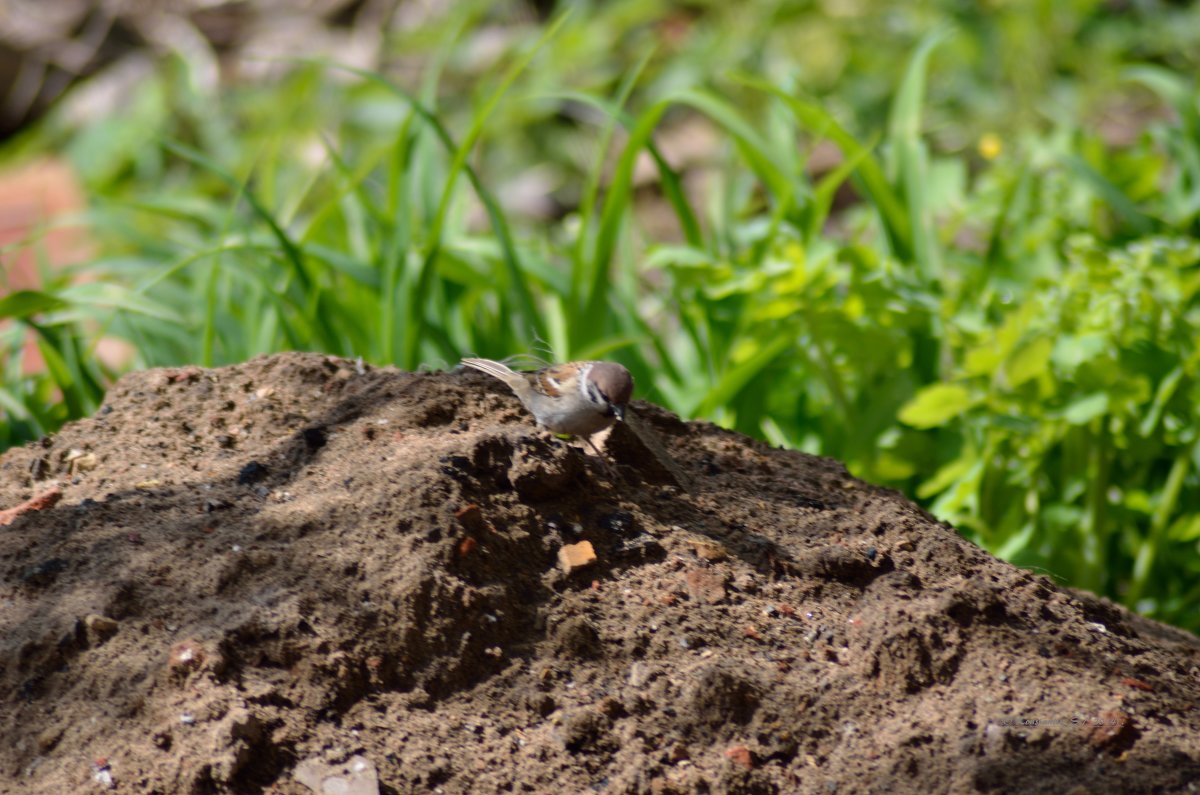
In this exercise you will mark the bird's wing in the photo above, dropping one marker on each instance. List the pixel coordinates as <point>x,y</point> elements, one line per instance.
<point>553,380</point>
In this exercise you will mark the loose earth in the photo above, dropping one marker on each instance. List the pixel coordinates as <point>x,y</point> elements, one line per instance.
<point>301,573</point>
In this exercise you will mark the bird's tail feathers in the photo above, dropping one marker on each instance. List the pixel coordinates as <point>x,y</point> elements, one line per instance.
<point>492,368</point>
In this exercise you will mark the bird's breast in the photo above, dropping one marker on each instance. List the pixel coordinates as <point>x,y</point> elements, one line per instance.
<point>576,423</point>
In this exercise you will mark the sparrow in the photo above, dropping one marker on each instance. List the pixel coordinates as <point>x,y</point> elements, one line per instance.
<point>579,398</point>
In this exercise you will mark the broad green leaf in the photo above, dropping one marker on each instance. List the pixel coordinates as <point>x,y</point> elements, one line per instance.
<point>946,476</point>
<point>677,257</point>
<point>936,405</point>
<point>892,467</point>
<point>1085,409</point>
<point>983,359</point>
<point>961,499</point>
<point>1030,361</point>
<point>1061,515</point>
<point>1185,529</point>
<point>1070,351</point>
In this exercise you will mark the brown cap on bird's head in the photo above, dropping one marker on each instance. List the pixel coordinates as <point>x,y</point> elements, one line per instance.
<point>614,382</point>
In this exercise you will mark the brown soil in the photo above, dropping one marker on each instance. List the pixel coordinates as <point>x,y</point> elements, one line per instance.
<point>257,571</point>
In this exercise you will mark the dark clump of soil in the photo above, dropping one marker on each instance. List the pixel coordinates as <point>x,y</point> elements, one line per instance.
<point>262,573</point>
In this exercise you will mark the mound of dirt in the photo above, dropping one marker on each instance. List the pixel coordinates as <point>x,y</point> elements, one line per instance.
<point>299,574</point>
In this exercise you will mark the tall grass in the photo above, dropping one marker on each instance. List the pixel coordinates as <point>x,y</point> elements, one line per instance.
<point>1010,340</point>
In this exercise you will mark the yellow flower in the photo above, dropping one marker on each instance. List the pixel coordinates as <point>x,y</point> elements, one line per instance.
<point>990,146</point>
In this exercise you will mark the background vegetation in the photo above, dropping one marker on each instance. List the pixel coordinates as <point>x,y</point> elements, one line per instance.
<point>954,245</point>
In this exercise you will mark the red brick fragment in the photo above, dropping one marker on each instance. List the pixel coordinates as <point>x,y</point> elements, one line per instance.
<point>573,557</point>
<point>470,517</point>
<point>47,499</point>
<point>704,586</point>
<point>1129,681</point>
<point>741,755</point>
<point>1110,730</point>
<point>185,374</point>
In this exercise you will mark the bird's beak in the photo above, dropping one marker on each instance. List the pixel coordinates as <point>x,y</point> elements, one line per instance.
<point>619,411</point>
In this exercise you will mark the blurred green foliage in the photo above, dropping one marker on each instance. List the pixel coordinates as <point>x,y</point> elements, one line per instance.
<point>954,245</point>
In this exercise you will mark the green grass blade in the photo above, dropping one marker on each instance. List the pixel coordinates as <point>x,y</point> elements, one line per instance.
<point>826,189</point>
<point>26,303</point>
<point>512,261</point>
<point>616,115</point>
<point>419,294</point>
<point>893,214</point>
<point>589,318</point>
<point>1111,195</point>
<point>672,184</point>
<point>910,156</point>
<point>291,251</point>
<point>751,145</point>
<point>292,254</point>
<point>735,379</point>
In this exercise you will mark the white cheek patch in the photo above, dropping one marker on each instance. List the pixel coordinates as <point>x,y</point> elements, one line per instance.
<point>586,387</point>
